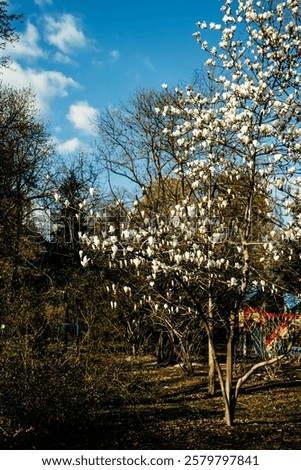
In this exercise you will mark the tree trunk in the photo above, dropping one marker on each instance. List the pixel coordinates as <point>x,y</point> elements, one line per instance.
<point>211,353</point>
<point>211,371</point>
<point>211,360</point>
<point>228,400</point>
<point>230,394</point>
<point>230,406</point>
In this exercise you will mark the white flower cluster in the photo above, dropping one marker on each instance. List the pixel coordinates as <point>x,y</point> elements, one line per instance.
<point>235,150</point>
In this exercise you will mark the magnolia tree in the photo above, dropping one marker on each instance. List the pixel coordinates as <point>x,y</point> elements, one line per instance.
<point>238,152</point>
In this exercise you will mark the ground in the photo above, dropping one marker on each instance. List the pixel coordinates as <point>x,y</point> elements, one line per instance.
<point>175,412</point>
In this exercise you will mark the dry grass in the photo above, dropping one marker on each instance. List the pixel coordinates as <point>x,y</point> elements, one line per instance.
<point>169,410</point>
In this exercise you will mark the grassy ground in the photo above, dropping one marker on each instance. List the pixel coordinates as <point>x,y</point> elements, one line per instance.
<point>164,409</point>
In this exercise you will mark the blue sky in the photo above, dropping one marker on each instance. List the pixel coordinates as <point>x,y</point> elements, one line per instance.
<point>81,56</point>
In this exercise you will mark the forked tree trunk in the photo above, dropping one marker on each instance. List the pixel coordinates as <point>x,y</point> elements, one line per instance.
<point>226,389</point>
<point>230,391</point>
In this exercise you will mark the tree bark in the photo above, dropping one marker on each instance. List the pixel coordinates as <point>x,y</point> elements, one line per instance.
<point>211,361</point>
<point>230,409</point>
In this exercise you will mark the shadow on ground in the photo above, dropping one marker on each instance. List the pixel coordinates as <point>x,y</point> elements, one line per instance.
<point>178,414</point>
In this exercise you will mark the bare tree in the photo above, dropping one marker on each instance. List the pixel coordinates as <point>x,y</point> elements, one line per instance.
<point>26,150</point>
<point>7,31</point>
<point>133,146</point>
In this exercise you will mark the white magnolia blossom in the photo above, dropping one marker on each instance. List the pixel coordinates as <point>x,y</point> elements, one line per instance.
<point>57,197</point>
<point>237,156</point>
<point>127,290</point>
<point>82,204</point>
<point>85,261</point>
<point>96,242</point>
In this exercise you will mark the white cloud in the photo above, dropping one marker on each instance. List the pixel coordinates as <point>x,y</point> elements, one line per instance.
<point>65,33</point>
<point>43,2</point>
<point>63,58</point>
<point>148,63</point>
<point>27,46</point>
<point>82,115</point>
<point>111,57</point>
<point>69,146</point>
<point>47,84</point>
<point>115,55</point>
